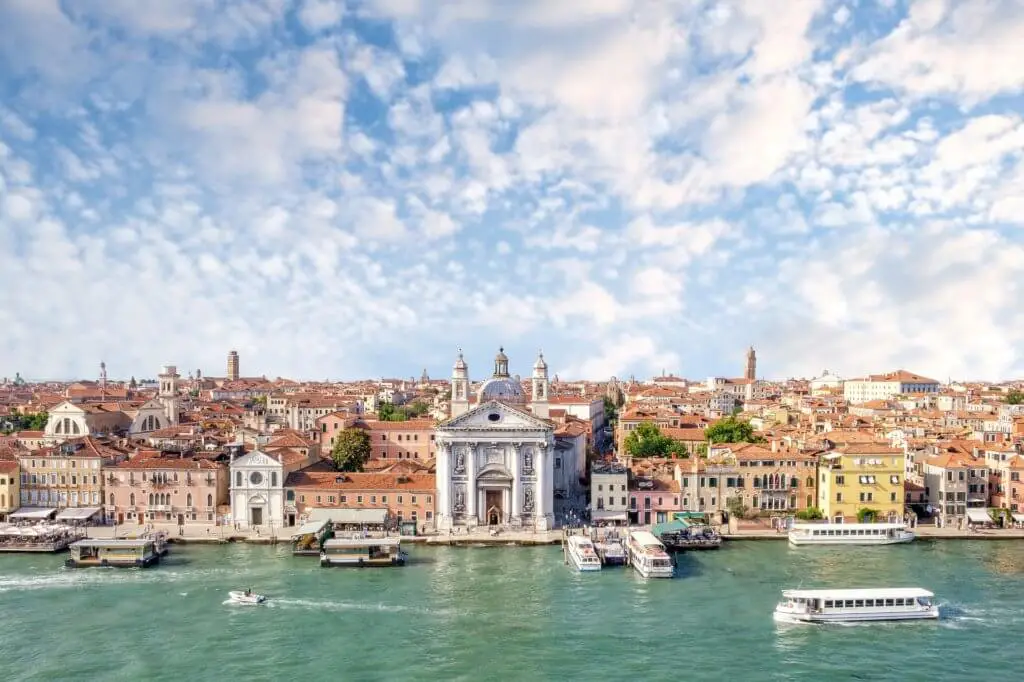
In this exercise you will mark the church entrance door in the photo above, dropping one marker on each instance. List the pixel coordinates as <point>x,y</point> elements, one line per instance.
<point>256,516</point>
<point>495,513</point>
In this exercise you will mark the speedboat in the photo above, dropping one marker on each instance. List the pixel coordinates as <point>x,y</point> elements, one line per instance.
<point>246,597</point>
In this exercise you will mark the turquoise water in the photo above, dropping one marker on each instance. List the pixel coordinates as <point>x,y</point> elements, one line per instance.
<point>505,614</point>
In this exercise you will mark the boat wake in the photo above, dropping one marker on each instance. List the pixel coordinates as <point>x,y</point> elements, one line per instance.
<point>315,605</point>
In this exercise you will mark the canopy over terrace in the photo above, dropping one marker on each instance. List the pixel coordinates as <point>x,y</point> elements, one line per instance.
<point>313,527</point>
<point>33,513</point>
<point>979,516</point>
<point>78,514</point>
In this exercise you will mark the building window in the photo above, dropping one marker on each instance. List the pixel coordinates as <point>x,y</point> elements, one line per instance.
<point>359,499</point>
<point>399,499</point>
<point>383,499</point>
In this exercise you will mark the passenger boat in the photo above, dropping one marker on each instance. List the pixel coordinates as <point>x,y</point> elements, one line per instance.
<point>611,551</point>
<point>694,537</point>
<point>582,553</point>
<point>247,597</point>
<point>363,552</point>
<point>138,553</point>
<point>853,606</point>
<point>849,534</point>
<point>648,556</point>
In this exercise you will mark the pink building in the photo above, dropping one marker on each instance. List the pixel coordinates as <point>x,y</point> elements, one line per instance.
<point>154,489</point>
<point>653,500</point>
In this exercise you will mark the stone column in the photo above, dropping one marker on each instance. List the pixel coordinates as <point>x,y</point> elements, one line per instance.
<point>471,491</point>
<point>540,499</point>
<point>444,485</point>
<point>517,481</point>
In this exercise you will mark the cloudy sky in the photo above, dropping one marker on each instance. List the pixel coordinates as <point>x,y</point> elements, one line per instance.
<point>356,189</point>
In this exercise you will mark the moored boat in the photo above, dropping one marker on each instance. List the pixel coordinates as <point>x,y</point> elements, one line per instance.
<point>694,537</point>
<point>856,605</point>
<point>247,597</point>
<point>648,556</point>
<point>582,553</point>
<point>139,553</point>
<point>850,534</point>
<point>611,551</point>
<point>363,552</point>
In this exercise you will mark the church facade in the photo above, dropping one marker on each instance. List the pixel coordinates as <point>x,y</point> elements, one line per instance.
<point>495,461</point>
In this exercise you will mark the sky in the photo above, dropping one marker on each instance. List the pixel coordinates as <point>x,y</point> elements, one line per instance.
<point>343,189</point>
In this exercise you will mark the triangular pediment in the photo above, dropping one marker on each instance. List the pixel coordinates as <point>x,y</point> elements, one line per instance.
<point>494,415</point>
<point>255,459</point>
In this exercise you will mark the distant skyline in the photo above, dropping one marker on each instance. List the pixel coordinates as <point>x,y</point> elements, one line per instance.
<point>356,189</point>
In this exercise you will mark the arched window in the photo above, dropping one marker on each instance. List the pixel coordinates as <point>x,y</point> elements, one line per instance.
<point>60,428</point>
<point>131,500</point>
<point>810,481</point>
<point>209,500</point>
<point>111,499</point>
<point>74,428</point>
<point>794,482</point>
<point>188,500</point>
<point>757,481</point>
<point>67,425</point>
<point>238,479</point>
<point>151,498</point>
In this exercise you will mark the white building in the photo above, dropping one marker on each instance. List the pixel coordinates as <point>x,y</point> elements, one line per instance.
<point>609,492</point>
<point>885,386</point>
<point>825,384</point>
<point>257,490</point>
<point>495,462</point>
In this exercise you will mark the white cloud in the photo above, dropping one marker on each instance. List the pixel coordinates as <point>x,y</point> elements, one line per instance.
<point>970,49</point>
<point>317,15</point>
<point>588,178</point>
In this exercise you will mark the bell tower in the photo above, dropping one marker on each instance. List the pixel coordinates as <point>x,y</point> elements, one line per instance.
<point>168,394</point>
<point>539,387</point>
<point>460,387</point>
<point>751,372</point>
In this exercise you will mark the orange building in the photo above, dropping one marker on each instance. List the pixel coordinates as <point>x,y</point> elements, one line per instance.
<point>405,497</point>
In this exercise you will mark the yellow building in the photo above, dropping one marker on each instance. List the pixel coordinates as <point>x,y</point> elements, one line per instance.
<point>861,476</point>
<point>66,475</point>
<point>9,499</point>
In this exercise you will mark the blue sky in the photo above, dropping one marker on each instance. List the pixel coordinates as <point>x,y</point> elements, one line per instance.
<point>356,189</point>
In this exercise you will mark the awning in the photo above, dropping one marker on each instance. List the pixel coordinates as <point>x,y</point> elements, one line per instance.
<point>607,515</point>
<point>978,516</point>
<point>1019,518</point>
<point>367,517</point>
<point>33,513</point>
<point>320,515</point>
<point>78,513</point>
<point>310,528</point>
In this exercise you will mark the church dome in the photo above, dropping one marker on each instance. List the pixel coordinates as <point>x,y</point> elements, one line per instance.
<point>503,389</point>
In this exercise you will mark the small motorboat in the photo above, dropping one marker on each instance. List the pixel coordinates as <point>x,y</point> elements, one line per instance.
<point>247,597</point>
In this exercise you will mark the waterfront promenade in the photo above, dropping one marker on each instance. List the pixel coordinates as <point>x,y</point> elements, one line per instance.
<point>225,534</point>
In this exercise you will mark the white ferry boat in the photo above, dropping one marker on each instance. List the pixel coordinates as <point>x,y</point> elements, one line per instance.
<point>849,534</point>
<point>582,553</point>
<point>852,606</point>
<point>363,552</point>
<point>648,556</point>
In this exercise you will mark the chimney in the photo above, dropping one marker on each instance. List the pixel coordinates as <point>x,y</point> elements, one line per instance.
<point>775,445</point>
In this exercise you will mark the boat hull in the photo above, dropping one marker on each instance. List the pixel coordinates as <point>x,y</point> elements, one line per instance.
<point>248,600</point>
<point>852,540</point>
<point>792,617</point>
<point>145,562</point>
<point>359,562</point>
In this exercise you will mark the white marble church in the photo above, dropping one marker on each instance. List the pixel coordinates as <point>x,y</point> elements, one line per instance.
<point>495,461</point>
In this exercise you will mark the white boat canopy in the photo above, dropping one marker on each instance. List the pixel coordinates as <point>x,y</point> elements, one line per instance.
<point>867,593</point>
<point>310,528</point>
<point>78,513</point>
<point>607,515</point>
<point>34,513</point>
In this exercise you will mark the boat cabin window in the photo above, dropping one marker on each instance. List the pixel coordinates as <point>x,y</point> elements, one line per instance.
<point>889,602</point>
<point>859,603</point>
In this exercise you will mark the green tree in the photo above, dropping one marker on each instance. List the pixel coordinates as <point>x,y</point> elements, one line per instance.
<point>810,514</point>
<point>417,408</point>
<point>1015,397</point>
<point>647,440</point>
<point>736,508</point>
<point>732,430</point>
<point>351,450</point>
<point>611,410</point>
